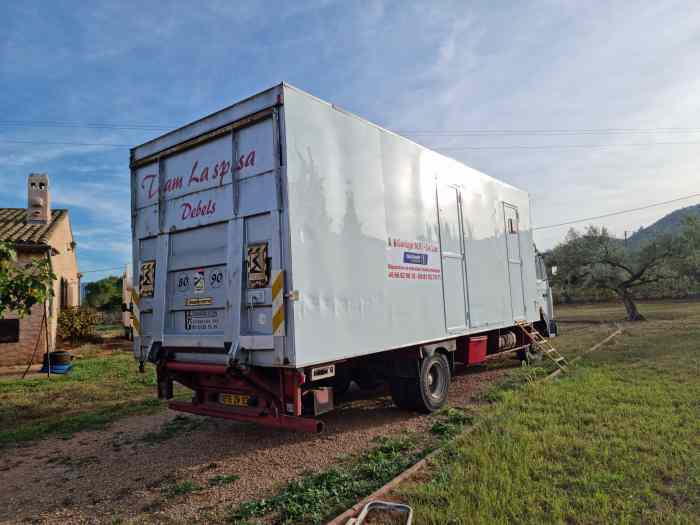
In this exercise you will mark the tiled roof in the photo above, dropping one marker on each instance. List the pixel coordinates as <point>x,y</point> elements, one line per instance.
<point>14,227</point>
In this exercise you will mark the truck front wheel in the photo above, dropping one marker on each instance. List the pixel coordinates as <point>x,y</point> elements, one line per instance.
<point>427,392</point>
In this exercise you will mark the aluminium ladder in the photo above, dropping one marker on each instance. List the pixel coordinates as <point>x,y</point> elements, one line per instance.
<point>543,345</point>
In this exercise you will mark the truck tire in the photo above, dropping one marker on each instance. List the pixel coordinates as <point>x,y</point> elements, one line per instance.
<point>365,378</point>
<point>427,392</point>
<point>341,381</point>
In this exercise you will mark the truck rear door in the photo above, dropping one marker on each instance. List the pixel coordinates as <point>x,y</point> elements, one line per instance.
<point>206,240</point>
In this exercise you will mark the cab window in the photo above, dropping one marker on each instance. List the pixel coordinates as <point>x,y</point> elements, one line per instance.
<point>539,268</point>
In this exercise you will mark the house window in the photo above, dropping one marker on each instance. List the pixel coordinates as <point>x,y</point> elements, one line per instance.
<point>9,330</point>
<point>64,293</point>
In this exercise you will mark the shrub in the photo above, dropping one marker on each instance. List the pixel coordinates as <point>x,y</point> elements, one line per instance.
<point>77,324</point>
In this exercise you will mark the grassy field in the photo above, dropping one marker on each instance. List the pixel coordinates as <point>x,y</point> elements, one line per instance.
<point>317,498</point>
<point>654,310</point>
<point>109,330</point>
<point>99,389</point>
<point>617,441</point>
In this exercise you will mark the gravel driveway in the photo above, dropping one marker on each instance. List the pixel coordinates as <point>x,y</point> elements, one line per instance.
<point>105,476</point>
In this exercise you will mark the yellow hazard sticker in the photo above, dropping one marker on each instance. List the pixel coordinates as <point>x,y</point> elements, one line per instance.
<point>147,278</point>
<point>278,303</point>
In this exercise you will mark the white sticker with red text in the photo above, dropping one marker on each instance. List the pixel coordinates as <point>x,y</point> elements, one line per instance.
<point>413,260</point>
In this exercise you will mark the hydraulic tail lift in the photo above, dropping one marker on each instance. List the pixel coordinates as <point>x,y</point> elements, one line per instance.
<point>239,394</point>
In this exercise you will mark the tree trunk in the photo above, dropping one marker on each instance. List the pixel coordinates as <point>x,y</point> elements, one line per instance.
<point>630,306</point>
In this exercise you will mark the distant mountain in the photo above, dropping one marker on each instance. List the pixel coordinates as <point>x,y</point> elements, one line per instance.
<point>671,223</point>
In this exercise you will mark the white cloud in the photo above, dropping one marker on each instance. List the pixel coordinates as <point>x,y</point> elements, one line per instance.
<point>447,65</point>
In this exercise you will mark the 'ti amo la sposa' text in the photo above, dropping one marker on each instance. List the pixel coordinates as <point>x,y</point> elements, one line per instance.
<point>220,170</point>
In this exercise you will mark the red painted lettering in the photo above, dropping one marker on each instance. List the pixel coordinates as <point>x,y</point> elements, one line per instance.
<point>246,161</point>
<point>173,184</point>
<point>186,210</point>
<point>191,212</point>
<point>250,159</point>
<point>193,177</point>
<point>224,168</point>
<point>151,183</point>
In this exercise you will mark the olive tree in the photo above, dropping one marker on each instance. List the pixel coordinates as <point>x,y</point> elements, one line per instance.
<point>689,264</point>
<point>22,286</point>
<point>596,260</point>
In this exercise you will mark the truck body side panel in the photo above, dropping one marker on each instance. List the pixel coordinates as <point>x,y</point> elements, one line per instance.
<point>368,251</point>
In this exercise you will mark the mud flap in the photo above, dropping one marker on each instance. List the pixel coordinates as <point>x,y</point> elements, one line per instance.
<point>165,387</point>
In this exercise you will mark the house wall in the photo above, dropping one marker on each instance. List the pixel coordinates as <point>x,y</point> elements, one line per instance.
<point>64,265</point>
<point>30,329</point>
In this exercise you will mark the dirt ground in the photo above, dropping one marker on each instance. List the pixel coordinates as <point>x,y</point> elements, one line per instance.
<point>118,474</point>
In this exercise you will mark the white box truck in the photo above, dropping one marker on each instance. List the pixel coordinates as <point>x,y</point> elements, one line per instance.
<point>284,247</point>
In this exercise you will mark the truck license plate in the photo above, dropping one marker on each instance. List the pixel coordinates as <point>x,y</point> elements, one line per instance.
<point>235,400</point>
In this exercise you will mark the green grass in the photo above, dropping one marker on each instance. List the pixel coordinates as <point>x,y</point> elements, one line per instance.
<point>176,426</point>
<point>450,422</point>
<point>614,311</point>
<point>617,441</point>
<point>316,497</point>
<point>98,390</point>
<point>110,330</point>
<point>223,480</point>
<point>180,489</point>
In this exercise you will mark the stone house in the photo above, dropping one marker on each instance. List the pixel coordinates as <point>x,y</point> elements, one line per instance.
<point>38,231</point>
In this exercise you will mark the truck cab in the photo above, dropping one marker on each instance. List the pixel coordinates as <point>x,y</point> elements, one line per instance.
<point>544,301</point>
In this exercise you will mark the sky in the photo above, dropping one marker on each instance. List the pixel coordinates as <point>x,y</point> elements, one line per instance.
<point>592,107</point>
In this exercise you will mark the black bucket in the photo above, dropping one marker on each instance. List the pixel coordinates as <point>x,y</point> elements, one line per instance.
<point>58,358</point>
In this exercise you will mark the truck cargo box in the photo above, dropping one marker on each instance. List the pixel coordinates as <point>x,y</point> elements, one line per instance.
<point>285,232</point>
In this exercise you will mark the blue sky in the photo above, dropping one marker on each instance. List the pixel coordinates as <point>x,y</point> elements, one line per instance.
<point>431,67</point>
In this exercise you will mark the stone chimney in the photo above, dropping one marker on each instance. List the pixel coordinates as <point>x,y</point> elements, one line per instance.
<point>39,199</point>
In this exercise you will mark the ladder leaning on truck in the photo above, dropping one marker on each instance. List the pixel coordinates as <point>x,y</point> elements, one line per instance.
<point>284,248</point>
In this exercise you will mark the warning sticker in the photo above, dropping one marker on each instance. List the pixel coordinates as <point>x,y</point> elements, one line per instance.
<point>198,281</point>
<point>413,260</point>
<point>198,301</point>
<point>257,263</point>
<point>147,278</point>
<point>201,320</point>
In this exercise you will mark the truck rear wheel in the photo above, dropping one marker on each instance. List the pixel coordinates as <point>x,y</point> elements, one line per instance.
<point>366,378</point>
<point>341,381</point>
<point>427,392</point>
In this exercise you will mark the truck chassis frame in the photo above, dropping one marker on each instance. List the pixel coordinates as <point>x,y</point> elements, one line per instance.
<point>282,397</point>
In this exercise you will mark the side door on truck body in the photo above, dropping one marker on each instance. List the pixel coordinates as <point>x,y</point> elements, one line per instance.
<point>453,258</point>
<point>515,263</point>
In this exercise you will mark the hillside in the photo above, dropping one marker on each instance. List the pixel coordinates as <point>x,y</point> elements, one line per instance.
<point>671,223</point>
